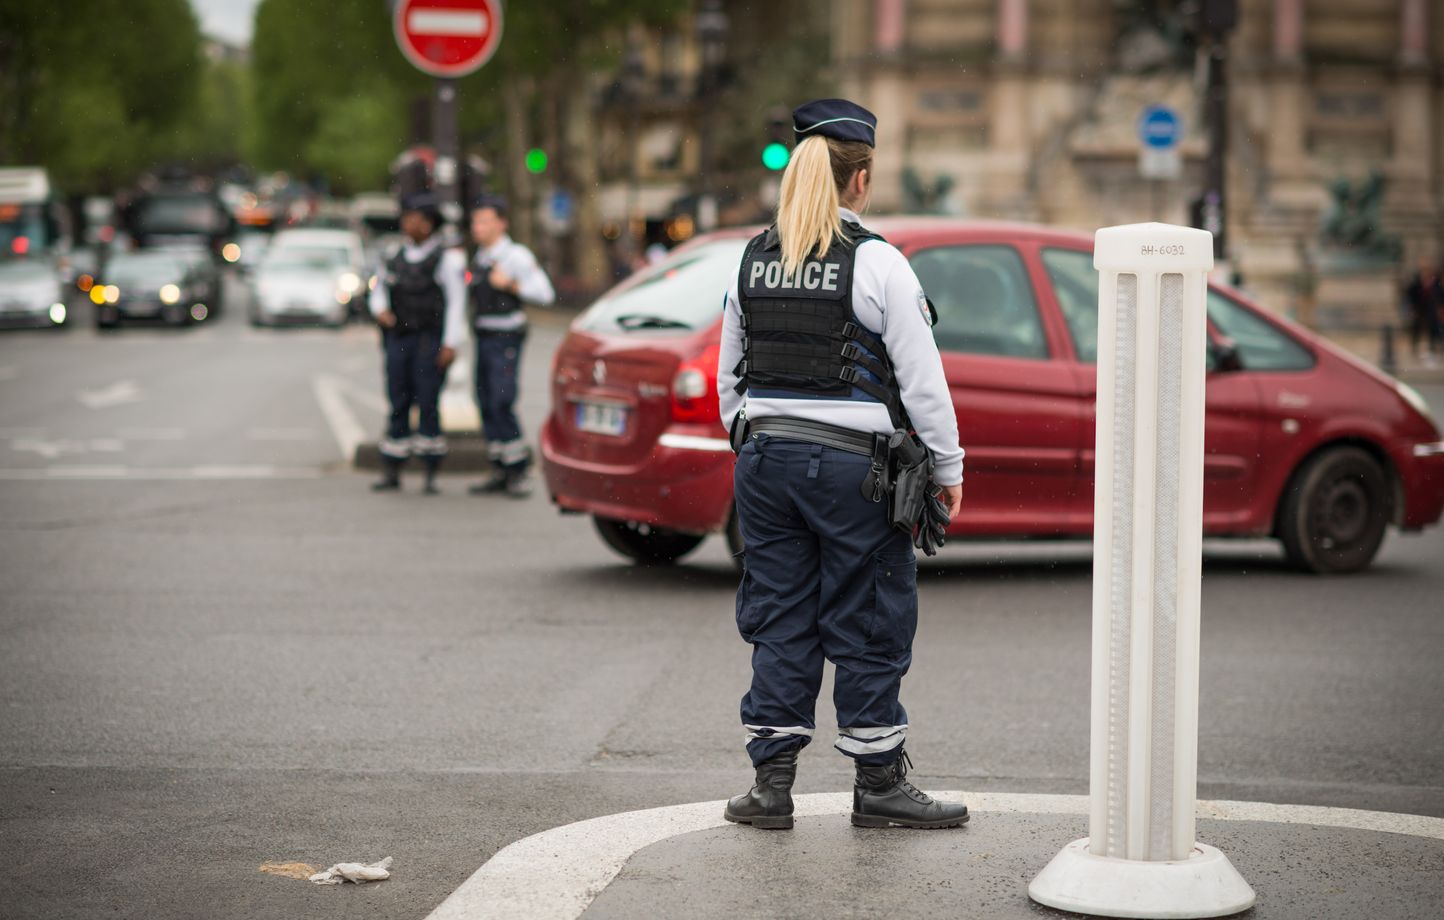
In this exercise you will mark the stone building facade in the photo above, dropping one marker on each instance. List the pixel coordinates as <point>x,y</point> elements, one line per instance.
<point>1028,109</point>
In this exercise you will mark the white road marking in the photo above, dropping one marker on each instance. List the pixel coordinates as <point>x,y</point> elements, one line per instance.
<point>151,434</point>
<point>281,434</point>
<point>458,399</point>
<point>178,473</point>
<point>344,426</point>
<point>117,394</point>
<point>45,447</point>
<point>556,874</point>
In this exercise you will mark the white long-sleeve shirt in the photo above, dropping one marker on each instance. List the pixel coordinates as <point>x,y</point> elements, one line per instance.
<point>888,300</point>
<point>533,285</point>
<point>450,274</point>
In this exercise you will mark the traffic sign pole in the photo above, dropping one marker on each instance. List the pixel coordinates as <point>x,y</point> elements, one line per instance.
<point>447,39</point>
<point>444,135</point>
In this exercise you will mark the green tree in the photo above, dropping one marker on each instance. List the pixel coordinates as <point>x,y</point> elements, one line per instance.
<point>96,103</point>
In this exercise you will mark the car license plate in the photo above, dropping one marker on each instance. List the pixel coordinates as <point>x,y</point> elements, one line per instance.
<point>602,418</point>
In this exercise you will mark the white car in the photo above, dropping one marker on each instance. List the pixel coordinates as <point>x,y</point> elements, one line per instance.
<point>309,276</point>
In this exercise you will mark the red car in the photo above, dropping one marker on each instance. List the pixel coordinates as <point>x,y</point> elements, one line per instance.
<point>1303,442</point>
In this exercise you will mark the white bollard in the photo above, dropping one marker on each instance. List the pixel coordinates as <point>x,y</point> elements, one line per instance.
<point>1140,858</point>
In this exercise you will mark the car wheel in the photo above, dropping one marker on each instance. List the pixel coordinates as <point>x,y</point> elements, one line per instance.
<point>644,543</point>
<point>106,319</point>
<point>1335,511</point>
<point>175,316</point>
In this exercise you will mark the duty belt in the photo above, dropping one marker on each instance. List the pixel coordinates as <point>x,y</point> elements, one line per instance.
<point>798,429</point>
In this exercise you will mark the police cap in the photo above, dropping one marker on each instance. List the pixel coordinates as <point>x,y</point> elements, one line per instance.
<point>424,201</point>
<point>835,118</point>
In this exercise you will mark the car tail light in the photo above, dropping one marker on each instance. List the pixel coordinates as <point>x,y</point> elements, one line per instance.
<point>694,389</point>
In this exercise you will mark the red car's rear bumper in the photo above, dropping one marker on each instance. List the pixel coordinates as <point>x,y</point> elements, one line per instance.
<point>1421,468</point>
<point>684,484</point>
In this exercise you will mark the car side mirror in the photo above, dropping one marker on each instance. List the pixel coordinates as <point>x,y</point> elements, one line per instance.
<point>1223,357</point>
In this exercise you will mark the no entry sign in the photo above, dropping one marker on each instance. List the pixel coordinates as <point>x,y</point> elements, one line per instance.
<point>447,38</point>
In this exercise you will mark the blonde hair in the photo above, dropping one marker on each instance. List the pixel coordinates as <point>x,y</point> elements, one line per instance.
<point>807,218</point>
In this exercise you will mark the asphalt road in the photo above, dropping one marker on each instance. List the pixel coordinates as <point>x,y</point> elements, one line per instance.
<point>218,649</point>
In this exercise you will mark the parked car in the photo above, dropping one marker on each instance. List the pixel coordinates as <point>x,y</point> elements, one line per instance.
<point>149,284</point>
<point>1303,442</point>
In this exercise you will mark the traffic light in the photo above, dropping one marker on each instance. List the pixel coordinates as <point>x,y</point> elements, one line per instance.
<point>536,160</point>
<point>776,153</point>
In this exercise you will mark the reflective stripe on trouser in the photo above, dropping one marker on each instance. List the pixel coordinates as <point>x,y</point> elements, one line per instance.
<point>498,360</point>
<point>412,378</point>
<point>393,449</point>
<point>879,739</point>
<point>424,446</point>
<point>826,578</point>
<point>509,453</point>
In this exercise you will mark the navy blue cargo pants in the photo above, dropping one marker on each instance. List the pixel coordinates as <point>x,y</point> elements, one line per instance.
<point>498,359</point>
<point>412,378</point>
<point>825,577</point>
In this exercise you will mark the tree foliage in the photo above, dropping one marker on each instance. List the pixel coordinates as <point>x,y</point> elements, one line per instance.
<point>99,90</point>
<point>334,95</point>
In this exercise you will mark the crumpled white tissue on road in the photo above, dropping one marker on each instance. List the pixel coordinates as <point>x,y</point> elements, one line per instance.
<point>354,872</point>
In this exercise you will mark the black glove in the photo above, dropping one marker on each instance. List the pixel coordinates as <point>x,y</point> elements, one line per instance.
<point>932,530</point>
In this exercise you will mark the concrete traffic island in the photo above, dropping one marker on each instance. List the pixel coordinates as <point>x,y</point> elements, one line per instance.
<point>1305,862</point>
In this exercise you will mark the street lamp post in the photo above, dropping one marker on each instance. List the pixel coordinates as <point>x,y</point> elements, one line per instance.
<point>712,28</point>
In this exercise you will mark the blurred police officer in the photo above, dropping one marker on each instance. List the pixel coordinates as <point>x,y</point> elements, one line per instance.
<point>420,305</point>
<point>504,276</point>
<point>827,341</point>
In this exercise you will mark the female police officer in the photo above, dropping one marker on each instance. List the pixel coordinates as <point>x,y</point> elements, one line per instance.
<point>827,338</point>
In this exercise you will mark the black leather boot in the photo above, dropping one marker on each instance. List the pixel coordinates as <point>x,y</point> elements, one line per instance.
<point>769,803</point>
<point>882,797</point>
<point>390,479</point>
<point>493,484</point>
<point>518,479</point>
<point>433,464</point>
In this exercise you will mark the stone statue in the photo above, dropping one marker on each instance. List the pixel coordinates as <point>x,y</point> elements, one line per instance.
<point>1352,221</point>
<point>920,198</point>
<point>1151,37</point>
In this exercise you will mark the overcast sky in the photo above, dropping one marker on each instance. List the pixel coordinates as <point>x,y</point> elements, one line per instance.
<point>229,20</point>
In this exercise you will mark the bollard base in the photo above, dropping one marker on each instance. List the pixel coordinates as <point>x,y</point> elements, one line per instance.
<point>1204,885</point>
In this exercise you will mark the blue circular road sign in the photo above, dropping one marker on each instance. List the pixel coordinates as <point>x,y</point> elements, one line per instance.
<point>1160,127</point>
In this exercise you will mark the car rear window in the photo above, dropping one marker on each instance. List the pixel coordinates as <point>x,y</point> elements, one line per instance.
<point>684,291</point>
<point>1261,345</point>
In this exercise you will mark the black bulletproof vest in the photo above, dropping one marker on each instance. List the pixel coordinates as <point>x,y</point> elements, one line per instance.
<point>799,334</point>
<point>487,300</point>
<point>416,297</point>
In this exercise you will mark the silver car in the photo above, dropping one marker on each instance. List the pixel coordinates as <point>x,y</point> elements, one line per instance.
<point>309,276</point>
<point>31,293</point>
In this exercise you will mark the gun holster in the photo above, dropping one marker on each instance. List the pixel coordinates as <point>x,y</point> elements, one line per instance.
<point>737,434</point>
<point>912,470</point>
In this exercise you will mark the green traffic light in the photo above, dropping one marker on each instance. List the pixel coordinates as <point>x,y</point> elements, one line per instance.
<point>775,155</point>
<point>536,160</point>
